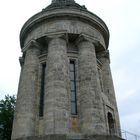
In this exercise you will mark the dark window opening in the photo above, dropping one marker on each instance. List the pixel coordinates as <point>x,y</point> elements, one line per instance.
<point>73,88</point>
<point>111,123</point>
<point>42,90</point>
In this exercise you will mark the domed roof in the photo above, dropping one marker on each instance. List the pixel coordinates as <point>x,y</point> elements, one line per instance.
<point>55,1</point>
<point>64,4</point>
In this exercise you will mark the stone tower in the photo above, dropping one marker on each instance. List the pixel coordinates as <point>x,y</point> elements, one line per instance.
<point>65,89</point>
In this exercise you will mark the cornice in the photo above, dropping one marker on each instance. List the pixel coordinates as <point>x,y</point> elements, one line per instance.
<point>82,14</point>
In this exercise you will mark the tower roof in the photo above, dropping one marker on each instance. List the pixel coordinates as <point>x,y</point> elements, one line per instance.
<point>57,1</point>
<point>64,4</point>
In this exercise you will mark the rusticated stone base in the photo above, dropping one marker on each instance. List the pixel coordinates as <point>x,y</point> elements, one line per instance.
<point>47,137</point>
<point>64,137</point>
<point>103,138</point>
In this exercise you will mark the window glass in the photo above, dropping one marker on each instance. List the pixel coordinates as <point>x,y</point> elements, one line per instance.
<point>73,98</point>
<point>73,108</point>
<point>72,76</point>
<point>73,88</point>
<point>41,104</point>
<point>71,66</point>
<point>72,85</point>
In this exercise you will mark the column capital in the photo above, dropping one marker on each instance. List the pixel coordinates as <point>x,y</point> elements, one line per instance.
<point>32,43</point>
<point>60,34</point>
<point>85,37</point>
<point>104,54</point>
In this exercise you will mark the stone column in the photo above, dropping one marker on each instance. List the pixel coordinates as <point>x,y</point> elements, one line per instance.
<point>107,77</point>
<point>24,121</point>
<point>91,107</point>
<point>109,87</point>
<point>56,114</point>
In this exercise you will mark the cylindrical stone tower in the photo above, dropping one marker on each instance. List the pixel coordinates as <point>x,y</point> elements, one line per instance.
<point>65,89</point>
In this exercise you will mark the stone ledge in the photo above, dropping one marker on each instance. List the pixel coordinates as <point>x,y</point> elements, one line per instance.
<point>47,137</point>
<point>63,137</point>
<point>102,137</point>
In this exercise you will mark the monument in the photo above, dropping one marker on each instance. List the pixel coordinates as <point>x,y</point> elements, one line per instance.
<point>65,90</point>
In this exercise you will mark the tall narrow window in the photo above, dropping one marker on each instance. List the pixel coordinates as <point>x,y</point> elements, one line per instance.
<point>73,88</point>
<point>41,104</point>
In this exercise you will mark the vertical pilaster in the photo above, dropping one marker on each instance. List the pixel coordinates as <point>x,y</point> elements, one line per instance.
<point>91,114</point>
<point>24,121</point>
<point>109,87</point>
<point>56,114</point>
<point>107,77</point>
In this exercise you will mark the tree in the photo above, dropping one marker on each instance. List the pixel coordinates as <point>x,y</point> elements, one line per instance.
<point>7,108</point>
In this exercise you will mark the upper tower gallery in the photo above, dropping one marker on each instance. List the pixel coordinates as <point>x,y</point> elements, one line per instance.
<point>67,10</point>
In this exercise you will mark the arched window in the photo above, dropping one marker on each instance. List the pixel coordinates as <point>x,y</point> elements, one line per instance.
<point>111,123</point>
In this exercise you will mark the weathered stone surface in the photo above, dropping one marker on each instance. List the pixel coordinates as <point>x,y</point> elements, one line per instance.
<point>109,87</point>
<point>103,137</point>
<point>90,94</point>
<point>63,137</point>
<point>25,115</point>
<point>56,114</point>
<point>48,137</point>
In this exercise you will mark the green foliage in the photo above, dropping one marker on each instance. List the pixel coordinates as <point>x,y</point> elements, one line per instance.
<point>7,107</point>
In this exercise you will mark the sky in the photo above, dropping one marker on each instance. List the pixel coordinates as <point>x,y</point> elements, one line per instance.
<point>123,20</point>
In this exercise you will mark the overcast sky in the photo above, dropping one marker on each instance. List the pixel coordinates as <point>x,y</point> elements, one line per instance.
<point>123,20</point>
